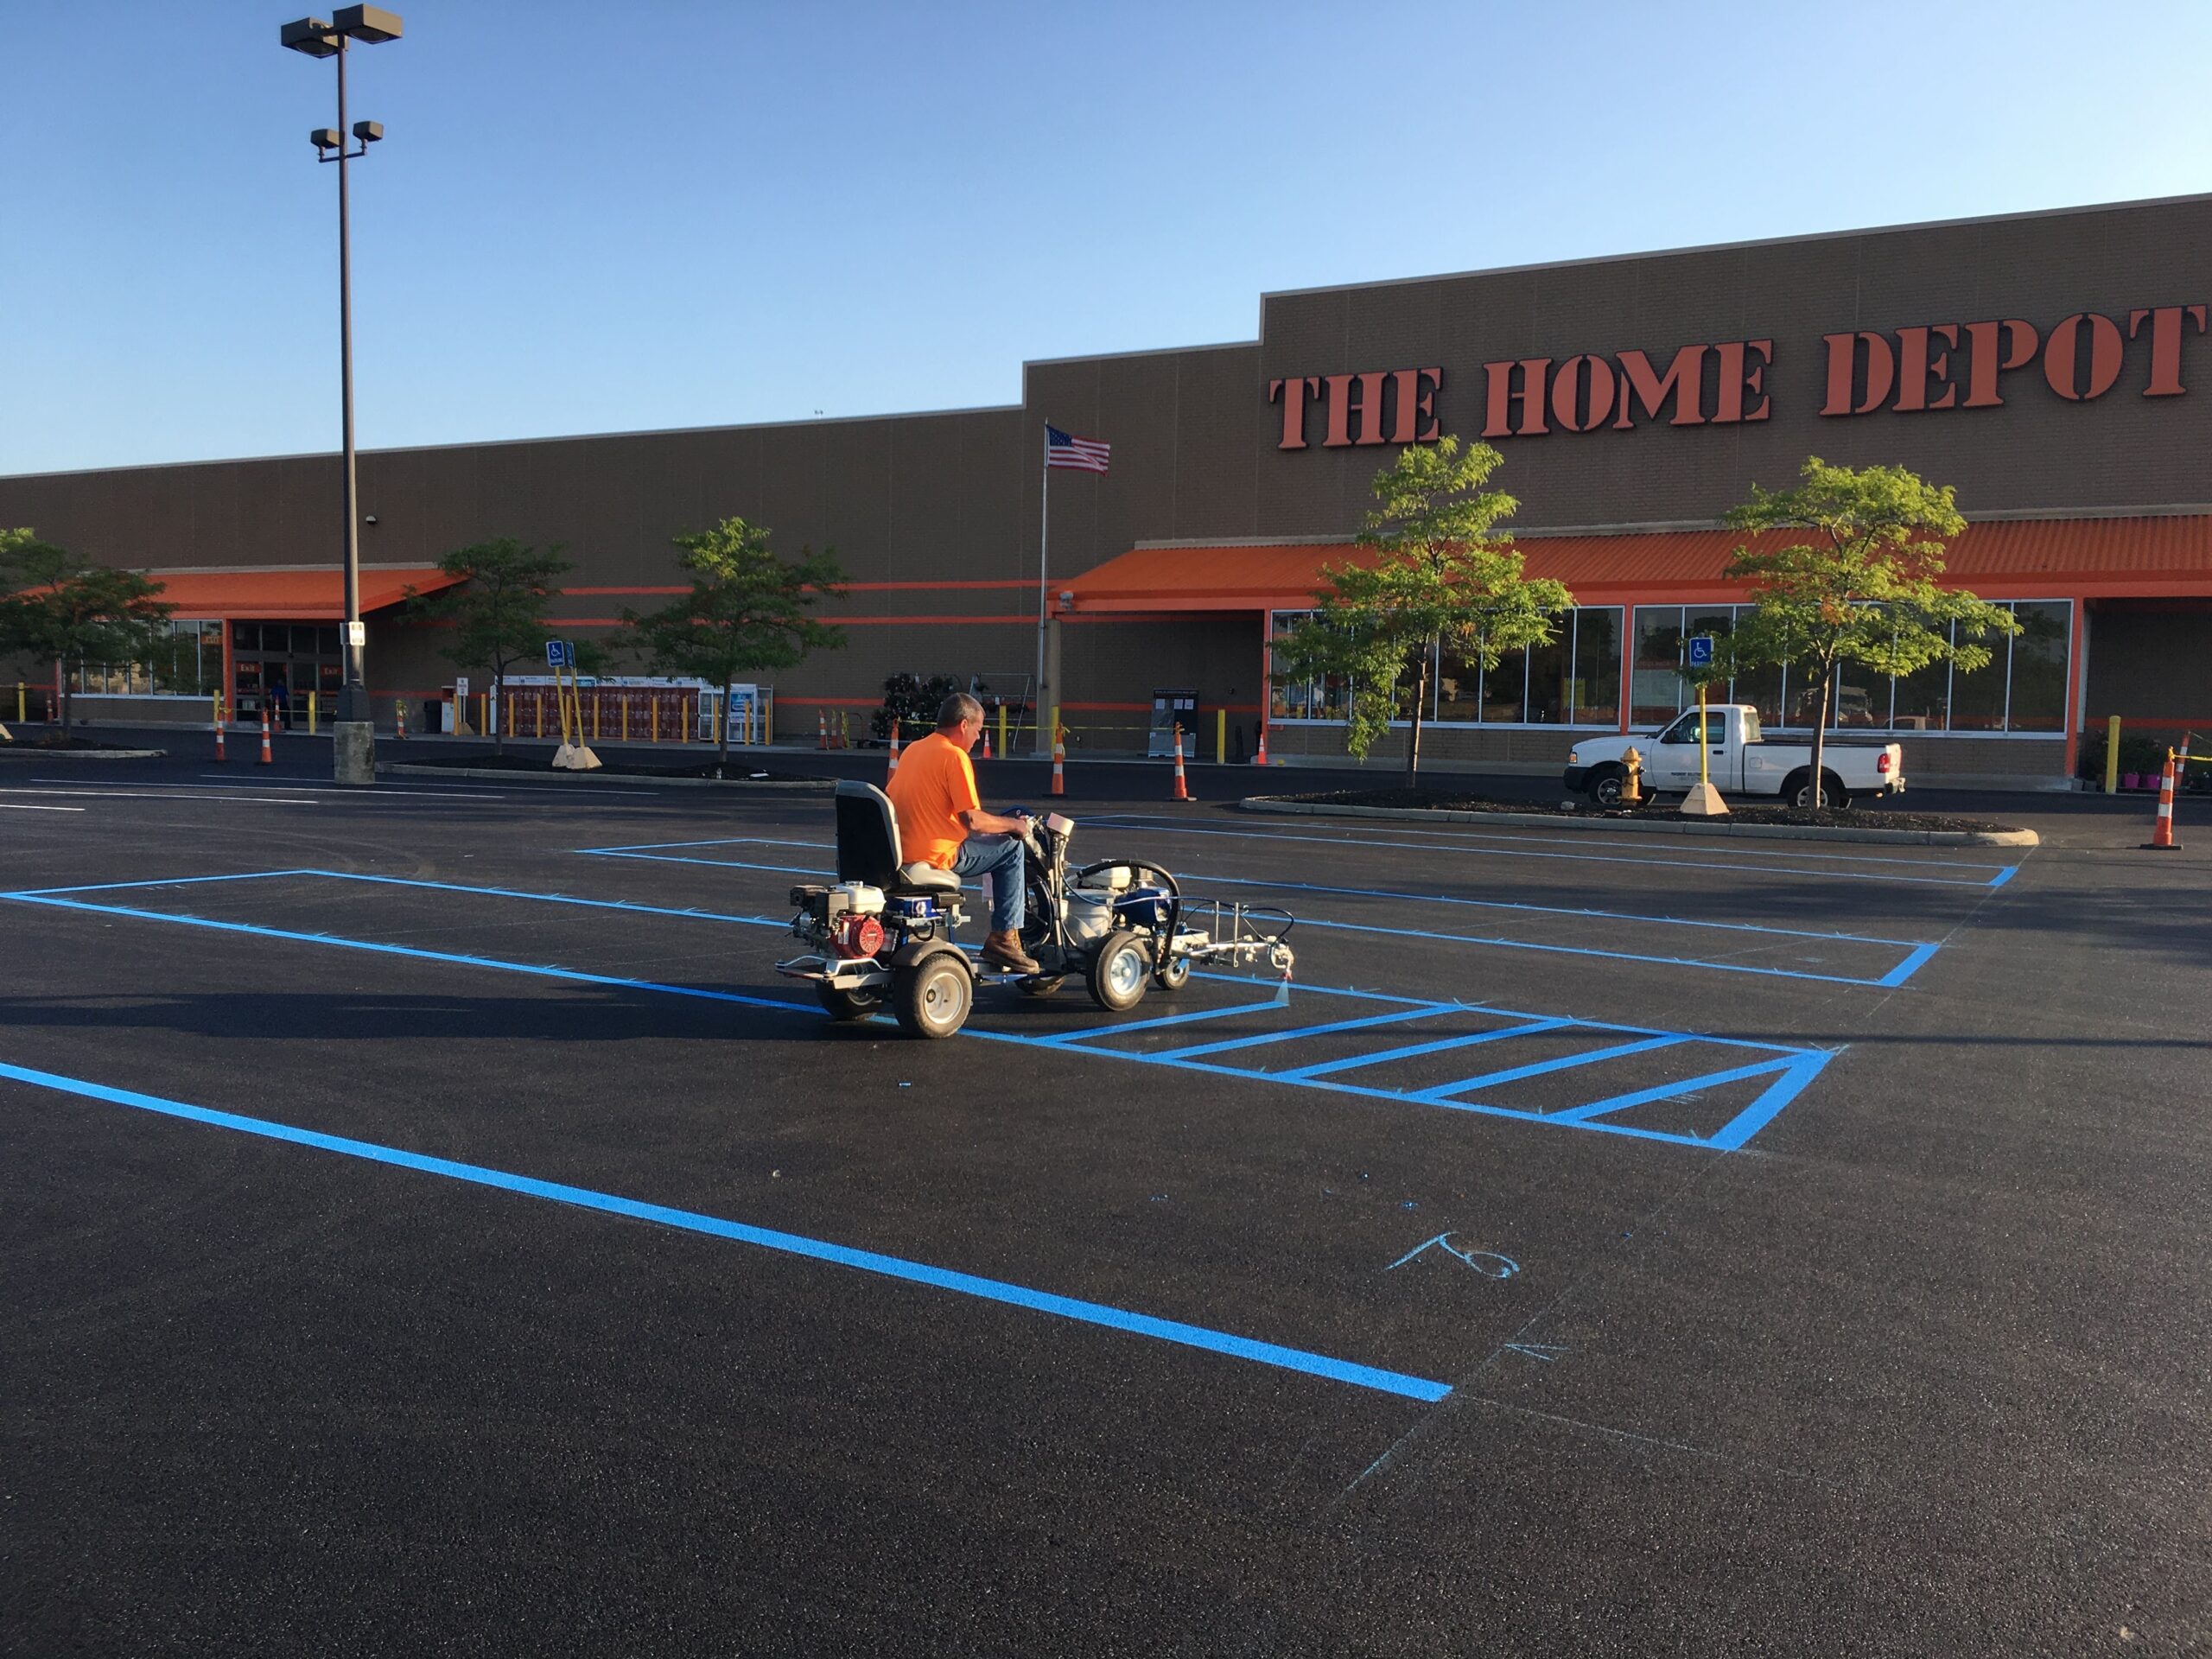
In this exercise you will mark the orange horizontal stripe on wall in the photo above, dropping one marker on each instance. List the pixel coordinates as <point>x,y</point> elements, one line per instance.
<point>839,621</point>
<point>850,587</point>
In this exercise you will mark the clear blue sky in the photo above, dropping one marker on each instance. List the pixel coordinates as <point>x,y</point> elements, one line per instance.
<point>657,214</point>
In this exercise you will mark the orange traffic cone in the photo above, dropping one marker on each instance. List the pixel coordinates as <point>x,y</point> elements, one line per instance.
<point>268,758</point>
<point>1182,784</point>
<point>1059,761</point>
<point>893,772</point>
<point>220,756</point>
<point>1260,757</point>
<point>986,742</point>
<point>2162,828</point>
<point>821,728</point>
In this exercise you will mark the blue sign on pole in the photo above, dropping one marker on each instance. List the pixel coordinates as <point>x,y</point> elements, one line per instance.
<point>559,653</point>
<point>1700,651</point>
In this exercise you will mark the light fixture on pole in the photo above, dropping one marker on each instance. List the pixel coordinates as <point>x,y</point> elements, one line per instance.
<point>353,747</point>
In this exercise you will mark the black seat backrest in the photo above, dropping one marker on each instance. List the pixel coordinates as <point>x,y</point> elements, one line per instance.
<point>867,834</point>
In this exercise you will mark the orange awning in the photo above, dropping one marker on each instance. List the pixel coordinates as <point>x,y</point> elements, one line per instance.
<point>2026,558</point>
<point>289,595</point>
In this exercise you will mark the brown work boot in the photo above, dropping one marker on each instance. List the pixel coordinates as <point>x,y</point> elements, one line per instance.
<point>1004,950</point>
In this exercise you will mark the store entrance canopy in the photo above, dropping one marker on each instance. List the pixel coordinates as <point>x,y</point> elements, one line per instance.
<point>289,595</point>
<point>2023,558</point>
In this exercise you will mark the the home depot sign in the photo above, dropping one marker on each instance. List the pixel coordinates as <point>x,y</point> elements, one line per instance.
<point>1933,366</point>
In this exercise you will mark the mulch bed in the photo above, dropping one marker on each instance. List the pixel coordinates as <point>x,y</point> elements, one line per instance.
<point>738,770</point>
<point>1878,817</point>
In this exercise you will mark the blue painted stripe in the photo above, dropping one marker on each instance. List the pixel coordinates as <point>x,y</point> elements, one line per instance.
<point>1566,1062</point>
<point>1911,965</point>
<point>573,975</point>
<point>1727,867</point>
<point>1786,1087</point>
<point>1669,1091</point>
<point>1061,1039</point>
<point>1354,1062</point>
<point>2004,876</point>
<point>1361,1024</point>
<point>173,881</point>
<point>812,1249</point>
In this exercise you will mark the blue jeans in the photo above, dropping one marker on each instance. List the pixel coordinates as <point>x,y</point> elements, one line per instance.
<point>999,857</point>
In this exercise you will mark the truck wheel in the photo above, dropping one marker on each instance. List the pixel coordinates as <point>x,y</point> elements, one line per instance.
<point>846,1006</point>
<point>932,998</point>
<point>1798,791</point>
<point>1120,972</point>
<point>1606,783</point>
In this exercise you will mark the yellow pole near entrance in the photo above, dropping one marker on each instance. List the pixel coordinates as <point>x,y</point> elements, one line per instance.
<point>1704,749</point>
<point>2111,755</point>
<point>21,719</point>
<point>1003,747</point>
<point>653,702</point>
<point>311,712</point>
<point>1221,737</point>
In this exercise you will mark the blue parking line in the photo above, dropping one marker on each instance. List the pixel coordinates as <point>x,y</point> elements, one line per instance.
<point>1353,1062</point>
<point>812,1249</point>
<point>1061,1039</point>
<point>1730,867</point>
<point>1667,1090</point>
<point>1566,1062</point>
<point>1738,1130</point>
<point>1911,965</point>
<point>2004,876</point>
<point>1429,1012</point>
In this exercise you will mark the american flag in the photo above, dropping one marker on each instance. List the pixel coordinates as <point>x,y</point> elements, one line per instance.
<point>1088,453</point>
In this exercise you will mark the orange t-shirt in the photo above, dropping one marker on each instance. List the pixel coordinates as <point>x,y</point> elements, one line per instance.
<point>935,785</point>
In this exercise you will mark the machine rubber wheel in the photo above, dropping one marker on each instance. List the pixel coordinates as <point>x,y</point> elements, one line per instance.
<point>1798,791</point>
<point>1042,984</point>
<point>933,997</point>
<point>1120,972</point>
<point>1175,976</point>
<point>846,1006</point>
<point>1606,786</point>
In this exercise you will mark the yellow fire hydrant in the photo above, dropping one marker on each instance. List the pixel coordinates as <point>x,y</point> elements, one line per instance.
<point>1632,786</point>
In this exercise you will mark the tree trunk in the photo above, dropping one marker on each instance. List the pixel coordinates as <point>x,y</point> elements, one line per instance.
<point>1413,737</point>
<point>1820,730</point>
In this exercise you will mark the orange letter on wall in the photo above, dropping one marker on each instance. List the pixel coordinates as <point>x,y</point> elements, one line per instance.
<point>1342,409</point>
<point>1843,370</point>
<point>1503,396</point>
<point>2061,350</point>
<point>1684,381</point>
<point>1567,401</point>
<point>1415,405</point>
<point>1738,377</point>
<point>1916,368</point>
<point>1983,362</point>
<point>2165,345</point>
<point>1294,394</point>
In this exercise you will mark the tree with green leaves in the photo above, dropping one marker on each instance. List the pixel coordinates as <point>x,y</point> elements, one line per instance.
<point>1863,585</point>
<point>746,610</point>
<point>496,610</point>
<point>1438,576</point>
<point>57,607</point>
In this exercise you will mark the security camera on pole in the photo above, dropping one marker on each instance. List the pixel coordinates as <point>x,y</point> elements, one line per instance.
<point>353,749</point>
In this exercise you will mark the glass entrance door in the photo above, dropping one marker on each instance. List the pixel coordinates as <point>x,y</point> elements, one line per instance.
<point>301,656</point>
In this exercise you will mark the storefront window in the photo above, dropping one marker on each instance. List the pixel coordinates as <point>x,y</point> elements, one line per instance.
<point>2037,703</point>
<point>1458,687</point>
<point>1656,688</point>
<point>1548,671</point>
<point>1978,699</point>
<point>1596,688</point>
<point>1923,700</point>
<point>1505,688</point>
<point>1761,687</point>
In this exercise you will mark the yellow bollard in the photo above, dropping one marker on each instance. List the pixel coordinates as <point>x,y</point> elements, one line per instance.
<point>484,714</point>
<point>1221,737</point>
<point>653,704</point>
<point>2111,755</point>
<point>625,716</point>
<point>311,713</point>
<point>1003,747</point>
<point>595,700</point>
<point>21,719</point>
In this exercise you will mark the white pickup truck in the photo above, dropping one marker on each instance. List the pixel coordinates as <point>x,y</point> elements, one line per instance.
<point>1743,762</point>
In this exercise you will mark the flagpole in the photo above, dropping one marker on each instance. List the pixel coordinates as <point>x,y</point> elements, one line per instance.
<point>1044,540</point>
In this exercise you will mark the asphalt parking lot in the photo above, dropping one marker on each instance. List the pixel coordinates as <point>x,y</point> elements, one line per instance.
<point>429,1225</point>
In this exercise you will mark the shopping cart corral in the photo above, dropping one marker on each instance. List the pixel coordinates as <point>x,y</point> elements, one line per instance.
<point>881,937</point>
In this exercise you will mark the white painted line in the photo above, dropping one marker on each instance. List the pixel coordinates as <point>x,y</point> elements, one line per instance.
<point>462,790</point>
<point>175,800</point>
<point>25,806</point>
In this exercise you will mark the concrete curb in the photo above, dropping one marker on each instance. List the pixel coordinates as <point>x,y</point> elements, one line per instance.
<point>30,752</point>
<point>499,774</point>
<point>1652,827</point>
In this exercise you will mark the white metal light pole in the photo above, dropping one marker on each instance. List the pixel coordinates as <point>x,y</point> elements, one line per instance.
<point>353,734</point>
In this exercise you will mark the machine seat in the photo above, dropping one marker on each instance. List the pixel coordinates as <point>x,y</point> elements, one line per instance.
<point>925,877</point>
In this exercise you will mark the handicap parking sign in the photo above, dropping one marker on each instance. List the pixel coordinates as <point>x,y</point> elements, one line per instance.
<point>559,653</point>
<point>1701,650</point>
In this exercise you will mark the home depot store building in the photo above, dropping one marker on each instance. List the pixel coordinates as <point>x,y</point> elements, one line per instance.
<point>2053,367</point>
